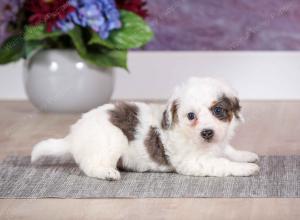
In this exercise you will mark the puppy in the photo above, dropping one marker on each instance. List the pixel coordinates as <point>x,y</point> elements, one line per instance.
<point>189,135</point>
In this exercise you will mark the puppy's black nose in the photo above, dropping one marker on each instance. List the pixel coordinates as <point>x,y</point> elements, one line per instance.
<point>207,134</point>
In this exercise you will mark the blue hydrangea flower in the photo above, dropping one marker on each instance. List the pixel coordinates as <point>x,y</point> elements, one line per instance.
<point>102,16</point>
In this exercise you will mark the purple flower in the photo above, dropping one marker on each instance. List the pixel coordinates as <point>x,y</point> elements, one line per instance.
<point>102,16</point>
<point>8,14</point>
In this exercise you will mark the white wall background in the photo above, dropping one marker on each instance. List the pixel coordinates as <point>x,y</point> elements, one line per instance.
<point>256,75</point>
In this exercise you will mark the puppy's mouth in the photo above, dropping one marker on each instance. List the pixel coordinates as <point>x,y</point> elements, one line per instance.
<point>210,141</point>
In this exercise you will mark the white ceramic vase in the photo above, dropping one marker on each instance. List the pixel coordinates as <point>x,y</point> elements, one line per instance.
<point>60,81</point>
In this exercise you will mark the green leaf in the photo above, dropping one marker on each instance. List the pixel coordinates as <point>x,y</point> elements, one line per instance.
<point>32,47</point>
<point>134,33</point>
<point>99,56</point>
<point>38,32</point>
<point>108,58</point>
<point>95,39</point>
<point>12,49</point>
<point>76,36</point>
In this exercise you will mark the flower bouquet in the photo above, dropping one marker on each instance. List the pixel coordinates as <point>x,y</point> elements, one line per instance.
<point>101,31</point>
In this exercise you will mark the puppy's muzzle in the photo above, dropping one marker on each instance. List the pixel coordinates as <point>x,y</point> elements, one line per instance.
<point>207,134</point>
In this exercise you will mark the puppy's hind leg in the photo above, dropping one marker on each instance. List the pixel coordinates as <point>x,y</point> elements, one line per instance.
<point>100,156</point>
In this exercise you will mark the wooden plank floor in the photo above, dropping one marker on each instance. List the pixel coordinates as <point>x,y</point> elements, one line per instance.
<point>271,128</point>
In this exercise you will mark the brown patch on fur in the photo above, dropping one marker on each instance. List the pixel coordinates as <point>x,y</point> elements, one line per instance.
<point>174,111</point>
<point>155,147</point>
<point>236,108</point>
<point>166,123</point>
<point>124,116</point>
<point>230,105</point>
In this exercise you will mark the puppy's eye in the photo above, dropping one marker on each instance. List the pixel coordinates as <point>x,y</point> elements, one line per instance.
<point>191,116</point>
<point>218,111</point>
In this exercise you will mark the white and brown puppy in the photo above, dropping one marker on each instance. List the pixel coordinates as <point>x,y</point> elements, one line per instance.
<point>189,135</point>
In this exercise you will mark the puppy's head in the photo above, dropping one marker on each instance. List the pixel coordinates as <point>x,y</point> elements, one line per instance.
<point>204,110</point>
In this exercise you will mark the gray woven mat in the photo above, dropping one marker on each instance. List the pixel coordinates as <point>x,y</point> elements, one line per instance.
<point>279,177</point>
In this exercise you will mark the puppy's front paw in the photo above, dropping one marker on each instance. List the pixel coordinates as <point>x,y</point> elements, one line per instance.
<point>248,169</point>
<point>250,157</point>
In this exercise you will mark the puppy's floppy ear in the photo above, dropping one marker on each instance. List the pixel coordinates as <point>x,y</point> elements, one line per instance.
<point>236,108</point>
<point>170,114</point>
